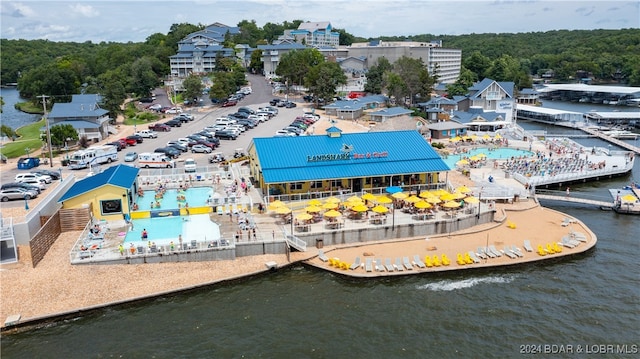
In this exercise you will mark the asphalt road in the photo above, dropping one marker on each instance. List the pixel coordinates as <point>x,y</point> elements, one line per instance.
<point>204,116</point>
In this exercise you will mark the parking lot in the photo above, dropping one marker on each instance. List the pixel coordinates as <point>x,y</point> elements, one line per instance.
<point>203,116</point>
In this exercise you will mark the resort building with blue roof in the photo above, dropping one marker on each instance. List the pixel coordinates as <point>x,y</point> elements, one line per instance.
<point>343,161</point>
<point>84,114</point>
<point>110,193</point>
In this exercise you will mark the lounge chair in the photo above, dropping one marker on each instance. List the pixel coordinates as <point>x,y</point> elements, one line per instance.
<point>473,256</point>
<point>379,266</point>
<point>398,265</point>
<point>569,242</point>
<point>488,252</point>
<point>407,264</point>
<point>481,254</point>
<point>509,253</point>
<point>368,265</point>
<point>578,235</point>
<point>355,264</point>
<point>517,251</point>
<point>418,262</point>
<point>194,244</point>
<point>527,246</point>
<point>322,256</point>
<point>496,252</point>
<point>388,265</point>
<point>428,262</point>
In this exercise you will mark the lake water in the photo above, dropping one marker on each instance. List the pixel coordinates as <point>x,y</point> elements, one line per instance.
<point>584,302</point>
<point>10,116</point>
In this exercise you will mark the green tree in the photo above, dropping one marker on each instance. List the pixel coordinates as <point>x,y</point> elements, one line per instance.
<point>192,86</point>
<point>323,79</point>
<point>395,86</point>
<point>143,79</point>
<point>8,131</point>
<point>60,134</point>
<point>477,64</point>
<point>1,103</point>
<point>375,76</point>
<point>256,64</point>
<point>112,88</point>
<point>250,33</point>
<point>294,65</point>
<point>462,84</point>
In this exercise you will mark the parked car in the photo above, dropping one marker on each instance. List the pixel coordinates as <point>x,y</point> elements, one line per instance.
<point>129,141</point>
<point>183,119</point>
<point>22,177</point>
<point>200,149</point>
<point>174,123</point>
<point>239,115</point>
<point>16,193</point>
<point>274,102</point>
<point>182,146</point>
<point>117,144</point>
<point>147,134</point>
<point>26,186</point>
<point>174,110</point>
<point>226,134</point>
<point>229,103</point>
<point>190,165</point>
<point>247,110</point>
<point>188,116</point>
<point>207,143</point>
<point>168,151</point>
<point>34,182</point>
<point>130,156</point>
<point>284,133</point>
<point>155,107</point>
<point>160,127</point>
<point>55,175</point>
<point>289,104</point>
<point>137,138</point>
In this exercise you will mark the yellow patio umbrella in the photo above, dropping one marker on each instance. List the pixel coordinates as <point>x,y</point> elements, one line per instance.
<point>451,204</point>
<point>382,200</point>
<point>440,191</point>
<point>380,209</point>
<point>497,136</point>
<point>350,204</point>
<point>628,198</point>
<point>275,205</point>
<point>422,205</point>
<point>463,189</point>
<point>304,216</point>
<point>330,205</point>
<point>447,197</point>
<point>486,137</point>
<point>472,200</point>
<point>433,200</point>
<point>368,196</point>
<point>332,213</point>
<point>465,137</point>
<point>474,158</point>
<point>283,210</point>
<point>481,155</point>
<point>425,194</point>
<point>462,163</point>
<point>332,199</point>
<point>399,195</point>
<point>474,137</point>
<point>455,139</point>
<point>360,208</point>
<point>313,209</point>
<point>315,202</point>
<point>458,195</point>
<point>354,199</point>
<point>412,199</point>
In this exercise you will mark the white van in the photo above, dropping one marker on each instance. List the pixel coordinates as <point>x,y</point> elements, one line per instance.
<point>155,160</point>
<point>190,165</point>
<point>225,121</point>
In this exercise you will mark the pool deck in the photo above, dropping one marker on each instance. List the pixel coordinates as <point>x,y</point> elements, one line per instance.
<point>57,289</point>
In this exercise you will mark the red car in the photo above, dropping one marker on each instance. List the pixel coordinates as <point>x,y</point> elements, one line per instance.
<point>160,127</point>
<point>129,141</point>
<point>229,103</point>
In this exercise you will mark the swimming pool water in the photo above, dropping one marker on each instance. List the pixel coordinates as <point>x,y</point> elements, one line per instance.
<point>195,197</point>
<point>163,230</point>
<point>497,153</point>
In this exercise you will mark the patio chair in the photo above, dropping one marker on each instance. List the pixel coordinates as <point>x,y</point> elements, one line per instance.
<point>388,265</point>
<point>407,264</point>
<point>527,246</point>
<point>418,262</point>
<point>322,256</point>
<point>355,264</point>
<point>368,266</point>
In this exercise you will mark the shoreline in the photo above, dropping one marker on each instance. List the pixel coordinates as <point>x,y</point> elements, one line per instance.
<point>97,287</point>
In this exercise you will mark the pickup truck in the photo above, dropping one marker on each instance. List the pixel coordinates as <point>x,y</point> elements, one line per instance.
<point>147,134</point>
<point>159,127</point>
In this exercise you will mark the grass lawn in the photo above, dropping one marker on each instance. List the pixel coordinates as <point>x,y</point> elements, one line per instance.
<point>29,138</point>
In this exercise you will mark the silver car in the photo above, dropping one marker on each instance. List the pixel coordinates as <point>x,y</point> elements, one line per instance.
<point>16,193</point>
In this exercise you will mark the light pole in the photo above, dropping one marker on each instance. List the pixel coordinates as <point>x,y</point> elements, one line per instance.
<point>46,121</point>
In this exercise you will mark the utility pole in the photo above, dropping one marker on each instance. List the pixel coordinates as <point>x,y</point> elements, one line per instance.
<point>46,121</point>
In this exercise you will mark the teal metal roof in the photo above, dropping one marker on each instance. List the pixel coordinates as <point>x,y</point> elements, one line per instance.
<point>369,154</point>
<point>119,176</point>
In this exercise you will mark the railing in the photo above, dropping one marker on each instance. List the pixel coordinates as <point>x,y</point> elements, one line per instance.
<point>294,241</point>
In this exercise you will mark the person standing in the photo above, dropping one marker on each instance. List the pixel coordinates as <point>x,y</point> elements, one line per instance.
<point>145,235</point>
<point>568,191</point>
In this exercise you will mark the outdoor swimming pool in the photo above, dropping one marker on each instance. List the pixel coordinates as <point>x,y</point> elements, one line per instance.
<point>497,153</point>
<point>163,230</point>
<point>195,197</point>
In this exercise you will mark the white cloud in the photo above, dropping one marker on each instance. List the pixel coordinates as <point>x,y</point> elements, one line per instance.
<point>17,10</point>
<point>84,10</point>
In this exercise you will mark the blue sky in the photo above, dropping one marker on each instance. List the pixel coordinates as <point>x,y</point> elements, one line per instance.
<point>134,20</point>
